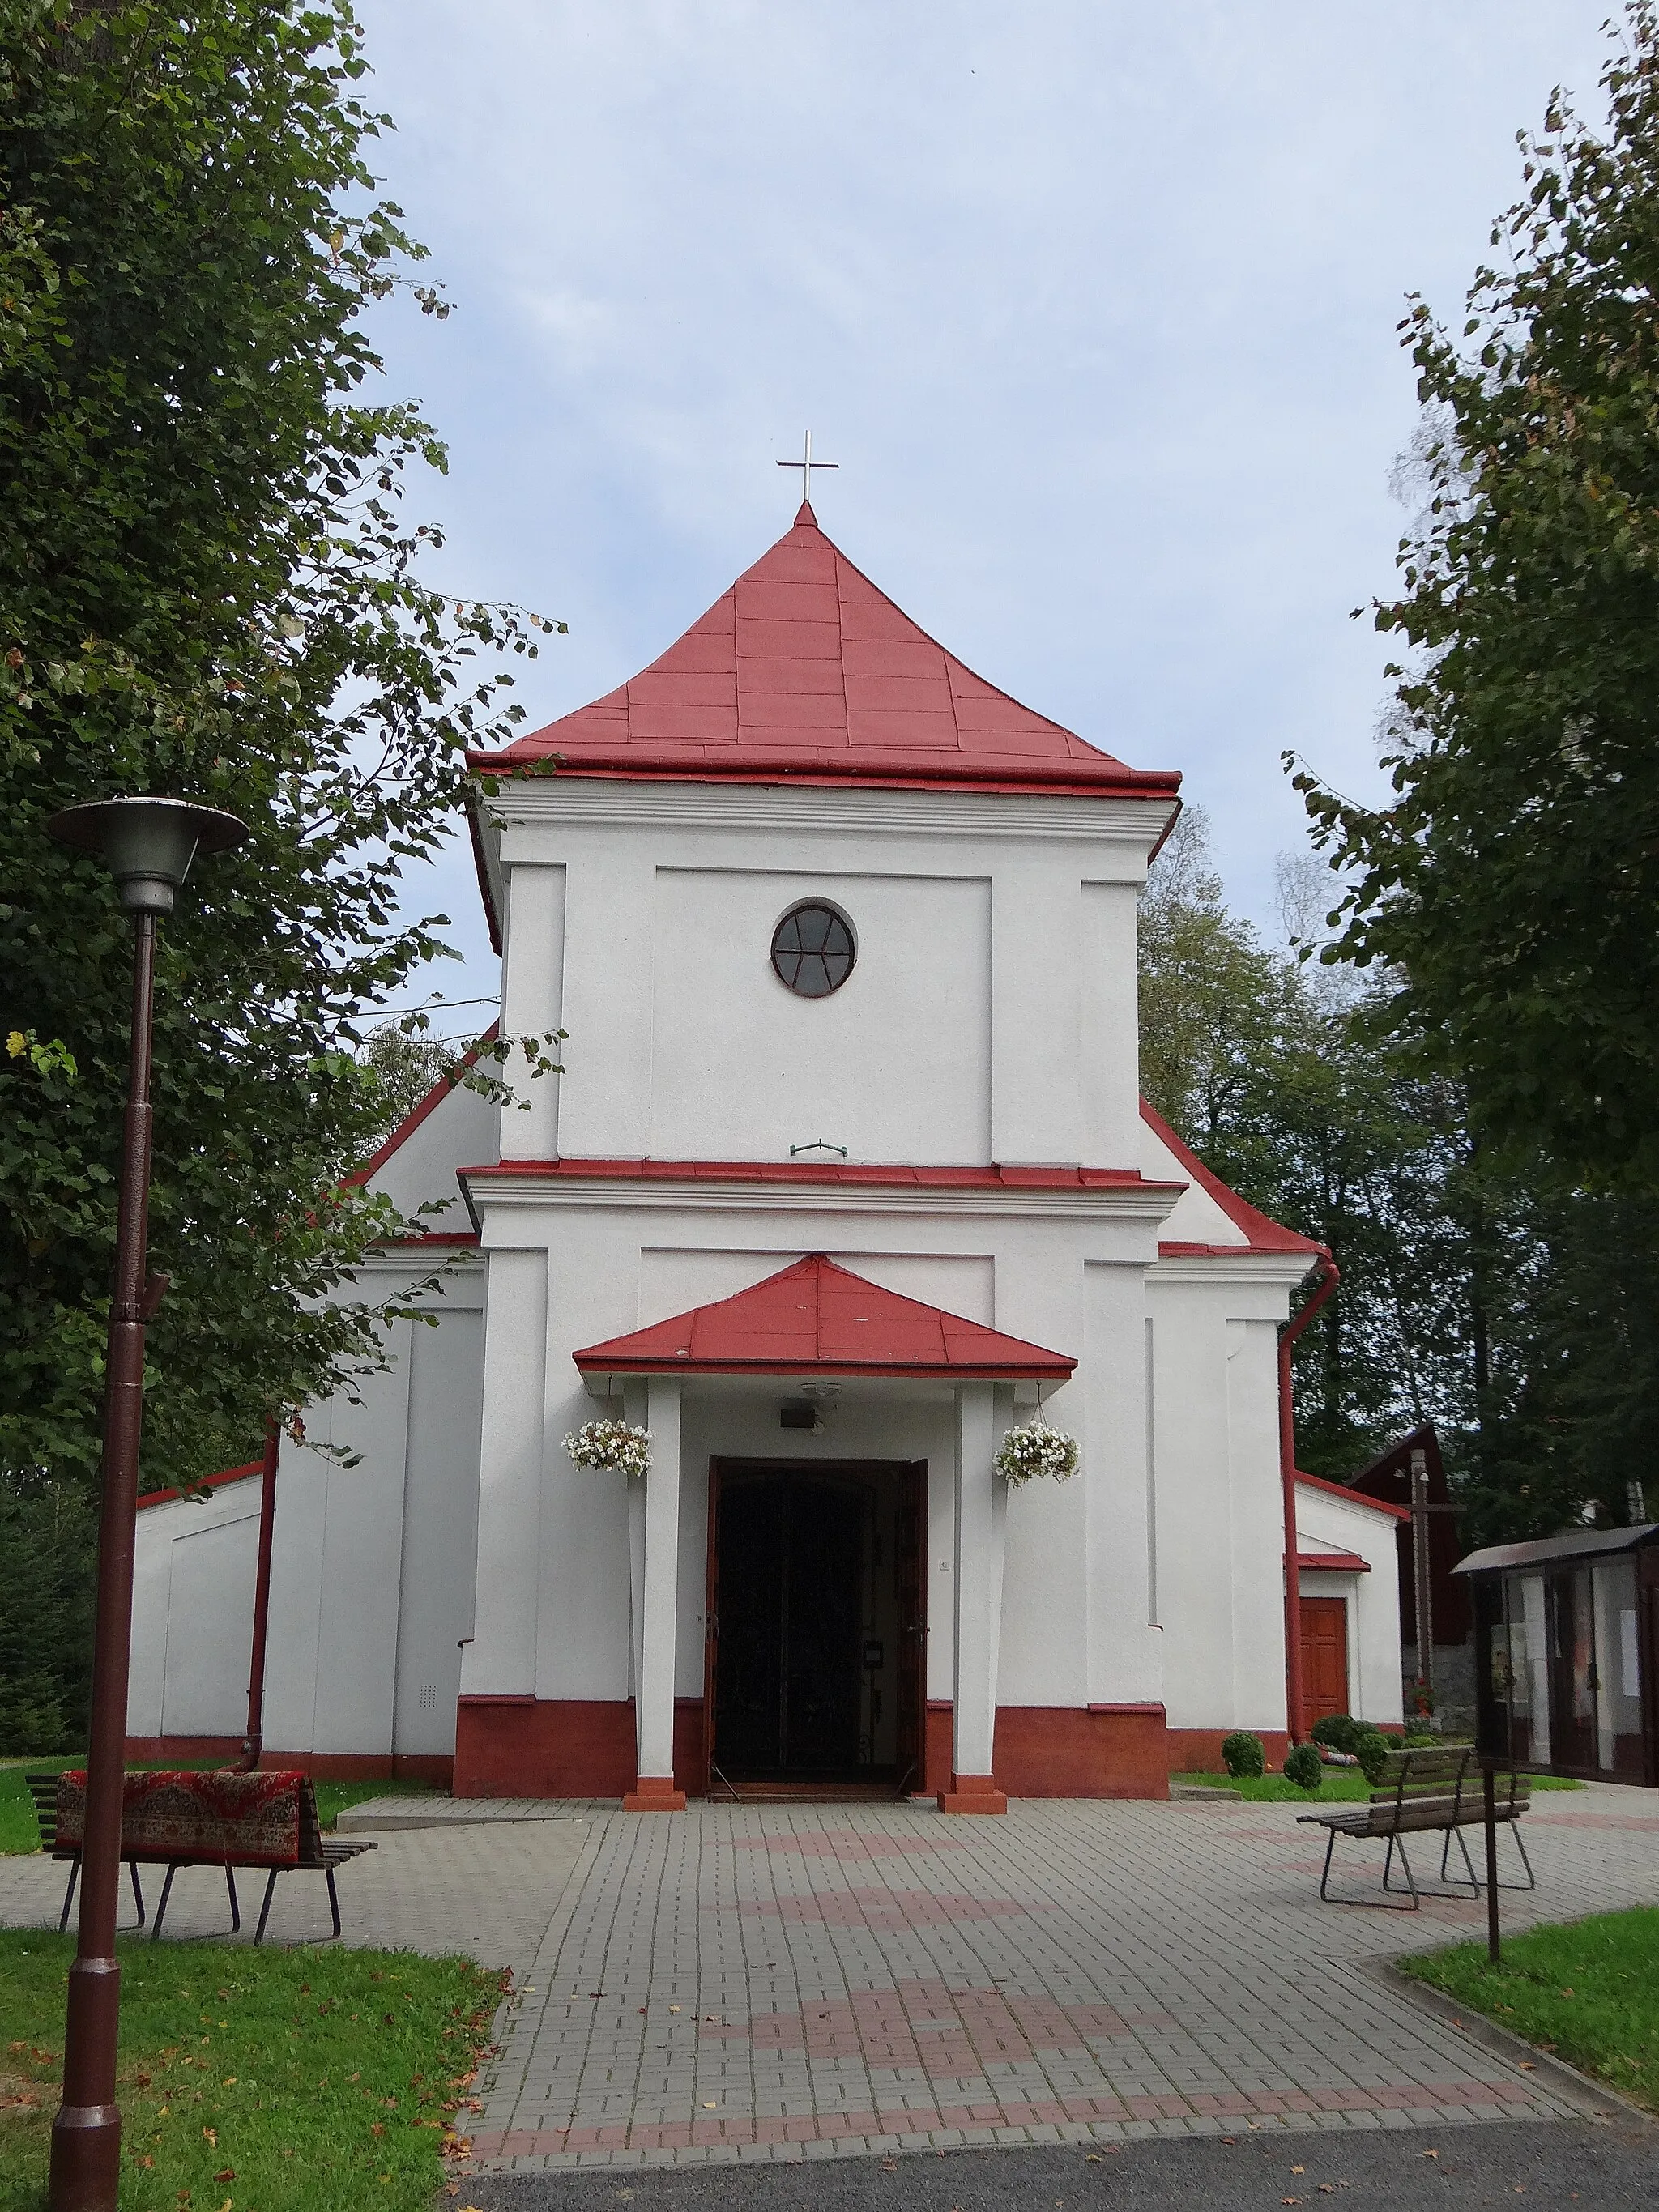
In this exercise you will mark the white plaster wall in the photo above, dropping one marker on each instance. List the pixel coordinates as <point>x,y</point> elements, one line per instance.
<point>1197,1217</point>
<point>440,1529</point>
<point>992,1013</point>
<point>354,1626</point>
<point>211,1629</point>
<point>1256,1482</point>
<point>462,1130</point>
<point>532,1006</point>
<point>613,1266</point>
<point>192,1614</point>
<point>895,1065</point>
<point>1219,1536</point>
<point>1326,1522</point>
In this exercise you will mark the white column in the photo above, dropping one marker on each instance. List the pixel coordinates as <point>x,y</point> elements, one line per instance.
<point>981,1522</point>
<point>636,1411</point>
<point>1037,918</point>
<point>610,918</point>
<point>653,1787</point>
<point>500,1660</point>
<point>532,994</point>
<point>1125,1648</point>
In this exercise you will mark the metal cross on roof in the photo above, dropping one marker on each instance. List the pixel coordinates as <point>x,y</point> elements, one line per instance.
<point>806,464</point>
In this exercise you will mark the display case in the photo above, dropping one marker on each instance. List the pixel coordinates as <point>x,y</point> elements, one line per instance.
<point>1566,1646</point>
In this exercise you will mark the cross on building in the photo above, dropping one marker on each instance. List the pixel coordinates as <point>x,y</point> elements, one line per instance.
<point>806,464</point>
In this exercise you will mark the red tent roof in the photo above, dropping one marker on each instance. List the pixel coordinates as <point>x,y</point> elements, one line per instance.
<point>819,1318</point>
<point>804,669</point>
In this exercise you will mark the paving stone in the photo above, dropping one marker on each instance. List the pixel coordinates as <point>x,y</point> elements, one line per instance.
<point>858,1980</point>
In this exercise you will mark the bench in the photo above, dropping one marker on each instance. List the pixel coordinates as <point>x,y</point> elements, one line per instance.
<point>268,1822</point>
<point>1435,1791</point>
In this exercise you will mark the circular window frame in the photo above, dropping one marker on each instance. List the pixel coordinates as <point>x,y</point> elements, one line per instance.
<point>815,901</point>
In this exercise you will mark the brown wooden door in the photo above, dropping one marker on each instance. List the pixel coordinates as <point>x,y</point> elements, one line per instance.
<point>1324,1657</point>
<point>910,1587</point>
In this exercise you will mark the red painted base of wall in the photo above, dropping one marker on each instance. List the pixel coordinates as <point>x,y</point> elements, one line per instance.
<point>321,1765</point>
<point>531,1747</point>
<point>1197,1751</point>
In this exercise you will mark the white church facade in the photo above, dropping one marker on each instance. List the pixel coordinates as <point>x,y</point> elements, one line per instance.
<point>846,1173</point>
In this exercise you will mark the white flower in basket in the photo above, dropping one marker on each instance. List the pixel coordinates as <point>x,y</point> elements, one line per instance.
<point>611,1444</point>
<point>1036,1449</point>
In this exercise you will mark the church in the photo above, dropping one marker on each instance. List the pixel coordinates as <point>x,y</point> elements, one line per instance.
<point>844,1181</point>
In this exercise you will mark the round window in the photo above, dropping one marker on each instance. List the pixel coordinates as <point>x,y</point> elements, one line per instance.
<point>812,951</point>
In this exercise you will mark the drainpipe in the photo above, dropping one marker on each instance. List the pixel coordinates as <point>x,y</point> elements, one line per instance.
<point>1330,1275</point>
<point>253,1742</point>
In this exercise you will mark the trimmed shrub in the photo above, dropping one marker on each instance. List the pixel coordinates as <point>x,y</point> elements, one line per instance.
<point>1242,1756</point>
<point>1304,1767</point>
<point>1371,1747</point>
<point>1340,1730</point>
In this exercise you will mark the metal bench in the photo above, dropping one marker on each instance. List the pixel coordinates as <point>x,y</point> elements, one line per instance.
<point>319,1854</point>
<point>1419,1793</point>
<point>315,1854</point>
<point>43,1789</point>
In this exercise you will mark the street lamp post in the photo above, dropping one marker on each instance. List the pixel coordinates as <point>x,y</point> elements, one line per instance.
<point>147,845</point>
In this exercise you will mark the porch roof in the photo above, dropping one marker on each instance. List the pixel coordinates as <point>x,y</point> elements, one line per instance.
<point>817,1318</point>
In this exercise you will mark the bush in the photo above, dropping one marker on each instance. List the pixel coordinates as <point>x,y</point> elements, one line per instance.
<point>1370,1748</point>
<point>1303,1767</point>
<point>1340,1730</point>
<point>1242,1756</point>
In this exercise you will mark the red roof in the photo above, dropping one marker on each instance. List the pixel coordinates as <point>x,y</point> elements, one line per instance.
<point>804,669</point>
<point>1261,1232</point>
<point>817,1317</point>
<point>1353,1497</point>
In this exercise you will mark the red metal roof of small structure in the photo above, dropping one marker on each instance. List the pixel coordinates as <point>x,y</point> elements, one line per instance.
<point>803,669</point>
<point>816,1317</point>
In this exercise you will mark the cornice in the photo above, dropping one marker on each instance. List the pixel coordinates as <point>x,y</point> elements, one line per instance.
<point>577,801</point>
<point>1219,1263</point>
<point>1144,1205</point>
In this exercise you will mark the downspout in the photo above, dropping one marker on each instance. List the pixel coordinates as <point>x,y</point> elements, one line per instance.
<point>1330,1276</point>
<point>253,1742</point>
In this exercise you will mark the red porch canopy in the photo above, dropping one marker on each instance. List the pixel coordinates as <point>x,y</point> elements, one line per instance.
<point>816,1317</point>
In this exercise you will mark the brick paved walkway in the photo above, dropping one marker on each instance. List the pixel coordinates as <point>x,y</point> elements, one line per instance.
<point>737,1983</point>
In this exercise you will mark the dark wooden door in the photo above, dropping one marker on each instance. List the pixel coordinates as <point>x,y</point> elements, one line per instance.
<point>910,1589</point>
<point>788,1684</point>
<point>1324,1657</point>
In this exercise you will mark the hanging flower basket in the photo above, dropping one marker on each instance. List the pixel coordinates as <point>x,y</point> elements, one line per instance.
<point>1036,1449</point>
<point>611,1445</point>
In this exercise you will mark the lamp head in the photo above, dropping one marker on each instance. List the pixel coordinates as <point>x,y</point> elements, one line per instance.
<point>146,844</point>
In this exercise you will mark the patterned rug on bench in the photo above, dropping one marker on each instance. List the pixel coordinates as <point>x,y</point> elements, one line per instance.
<point>250,1819</point>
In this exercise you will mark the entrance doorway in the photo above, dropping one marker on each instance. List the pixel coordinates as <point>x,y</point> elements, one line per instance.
<point>1324,1658</point>
<point>816,1636</point>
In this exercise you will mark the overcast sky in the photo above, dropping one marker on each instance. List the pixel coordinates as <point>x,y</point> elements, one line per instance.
<point>1095,305</point>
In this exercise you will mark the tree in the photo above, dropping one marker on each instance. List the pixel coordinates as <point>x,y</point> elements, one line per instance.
<point>207,588</point>
<point>406,1065</point>
<point>1511,889</point>
<point>1259,1063</point>
<point>1523,1322</point>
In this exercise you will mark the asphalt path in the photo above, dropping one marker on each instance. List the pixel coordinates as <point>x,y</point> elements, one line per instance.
<point>1595,2164</point>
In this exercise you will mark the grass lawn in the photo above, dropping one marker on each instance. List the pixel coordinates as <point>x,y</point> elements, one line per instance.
<point>19,1833</point>
<point>1589,1991</point>
<point>1338,1785</point>
<point>311,2080</point>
